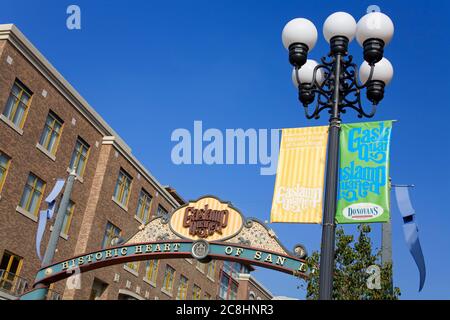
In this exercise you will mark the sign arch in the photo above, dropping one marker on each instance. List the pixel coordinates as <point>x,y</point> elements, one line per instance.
<point>207,228</point>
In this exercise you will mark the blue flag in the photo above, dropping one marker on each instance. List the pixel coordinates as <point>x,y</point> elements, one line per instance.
<point>45,215</point>
<point>410,230</point>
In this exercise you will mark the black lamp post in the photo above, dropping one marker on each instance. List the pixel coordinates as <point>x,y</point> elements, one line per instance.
<point>333,85</point>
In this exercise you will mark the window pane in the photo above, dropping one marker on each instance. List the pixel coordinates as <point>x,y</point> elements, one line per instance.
<point>44,136</point>
<point>168,278</point>
<point>25,196</point>
<point>124,196</point>
<point>5,260</point>
<point>10,263</point>
<point>80,166</point>
<point>24,98</point>
<point>15,109</point>
<point>182,288</point>
<point>68,218</point>
<point>9,106</point>
<point>14,266</point>
<point>34,202</point>
<point>122,189</point>
<point>51,142</point>
<point>79,155</point>
<point>18,116</point>
<point>4,161</point>
<point>111,232</point>
<point>15,90</point>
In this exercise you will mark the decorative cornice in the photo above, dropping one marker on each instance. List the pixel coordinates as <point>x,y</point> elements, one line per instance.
<point>256,283</point>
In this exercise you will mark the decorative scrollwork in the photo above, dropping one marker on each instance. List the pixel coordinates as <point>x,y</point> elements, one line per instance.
<point>165,218</point>
<point>163,237</point>
<point>244,241</point>
<point>248,223</point>
<point>322,95</point>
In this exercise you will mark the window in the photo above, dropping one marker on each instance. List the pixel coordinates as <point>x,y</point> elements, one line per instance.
<point>211,269</point>
<point>234,268</point>
<point>169,275</point>
<point>151,271</point>
<point>68,218</point>
<point>207,296</point>
<point>143,209</point>
<point>4,165</point>
<point>79,157</point>
<point>233,290</point>
<point>228,284</point>
<point>11,263</point>
<point>161,211</point>
<point>51,133</point>
<point>196,293</point>
<point>223,289</point>
<point>123,187</point>
<point>134,266</point>
<point>111,232</point>
<point>32,194</point>
<point>18,104</point>
<point>182,288</point>
<point>98,288</point>
<point>10,266</point>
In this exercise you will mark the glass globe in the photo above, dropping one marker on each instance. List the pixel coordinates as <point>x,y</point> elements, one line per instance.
<point>383,71</point>
<point>299,30</point>
<point>339,24</point>
<point>374,25</point>
<point>306,73</point>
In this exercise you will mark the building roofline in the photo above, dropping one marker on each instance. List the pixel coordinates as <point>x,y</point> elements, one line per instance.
<point>12,34</point>
<point>251,278</point>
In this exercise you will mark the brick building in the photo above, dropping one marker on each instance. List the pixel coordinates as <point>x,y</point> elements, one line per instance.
<point>47,129</point>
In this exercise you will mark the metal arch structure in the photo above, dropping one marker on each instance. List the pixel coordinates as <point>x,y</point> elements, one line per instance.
<point>251,243</point>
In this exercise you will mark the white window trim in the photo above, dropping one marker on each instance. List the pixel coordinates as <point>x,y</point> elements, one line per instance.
<point>133,272</point>
<point>170,294</point>
<point>199,269</point>
<point>119,204</point>
<point>62,234</point>
<point>149,282</point>
<point>79,178</point>
<point>138,219</point>
<point>45,151</point>
<point>131,294</point>
<point>11,124</point>
<point>26,213</point>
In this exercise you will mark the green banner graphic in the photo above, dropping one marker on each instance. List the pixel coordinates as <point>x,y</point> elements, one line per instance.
<point>363,192</point>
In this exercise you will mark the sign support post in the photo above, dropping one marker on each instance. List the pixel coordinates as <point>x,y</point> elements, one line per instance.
<point>41,290</point>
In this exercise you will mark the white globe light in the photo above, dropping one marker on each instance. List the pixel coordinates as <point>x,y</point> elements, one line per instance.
<point>339,24</point>
<point>374,25</point>
<point>306,73</point>
<point>383,71</point>
<point>299,30</point>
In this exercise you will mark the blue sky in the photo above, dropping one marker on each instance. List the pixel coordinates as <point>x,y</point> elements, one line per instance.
<point>149,67</point>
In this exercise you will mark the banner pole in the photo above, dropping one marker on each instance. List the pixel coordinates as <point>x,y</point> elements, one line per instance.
<point>41,291</point>
<point>386,244</point>
<point>326,269</point>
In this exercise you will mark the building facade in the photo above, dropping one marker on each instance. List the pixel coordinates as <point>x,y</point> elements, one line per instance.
<point>46,130</point>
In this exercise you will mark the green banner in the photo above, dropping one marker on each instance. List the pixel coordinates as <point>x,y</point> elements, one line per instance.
<point>363,190</point>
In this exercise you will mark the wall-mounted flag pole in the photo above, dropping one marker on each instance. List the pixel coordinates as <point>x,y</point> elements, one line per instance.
<point>40,291</point>
<point>45,215</point>
<point>410,229</point>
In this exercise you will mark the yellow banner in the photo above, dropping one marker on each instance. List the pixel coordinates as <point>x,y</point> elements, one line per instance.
<point>298,194</point>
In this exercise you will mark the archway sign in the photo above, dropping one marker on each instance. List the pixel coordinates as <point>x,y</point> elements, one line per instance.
<point>204,229</point>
